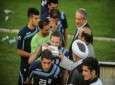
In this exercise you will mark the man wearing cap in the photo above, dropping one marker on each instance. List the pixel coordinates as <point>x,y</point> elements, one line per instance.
<point>44,72</point>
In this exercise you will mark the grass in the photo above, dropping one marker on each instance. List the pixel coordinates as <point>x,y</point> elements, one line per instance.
<point>100,14</point>
<point>105,51</point>
<point>20,9</point>
<point>9,62</point>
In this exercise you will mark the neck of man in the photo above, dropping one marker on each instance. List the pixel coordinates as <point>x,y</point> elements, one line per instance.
<point>42,34</point>
<point>94,79</point>
<point>30,26</point>
<point>83,24</point>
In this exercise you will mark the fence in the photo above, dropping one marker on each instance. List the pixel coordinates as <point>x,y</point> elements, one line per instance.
<point>107,73</point>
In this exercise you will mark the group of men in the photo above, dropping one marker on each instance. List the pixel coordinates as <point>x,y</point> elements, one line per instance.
<point>42,45</point>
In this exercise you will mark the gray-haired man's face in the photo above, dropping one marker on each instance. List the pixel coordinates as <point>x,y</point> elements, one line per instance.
<point>79,20</point>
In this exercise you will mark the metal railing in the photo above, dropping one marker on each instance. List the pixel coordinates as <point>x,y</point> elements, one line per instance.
<point>107,72</point>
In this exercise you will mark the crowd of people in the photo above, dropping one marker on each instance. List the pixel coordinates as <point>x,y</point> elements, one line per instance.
<point>44,56</point>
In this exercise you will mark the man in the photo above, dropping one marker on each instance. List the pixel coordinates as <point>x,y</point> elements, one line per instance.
<point>23,44</point>
<point>91,71</point>
<point>82,26</point>
<point>62,21</point>
<point>79,51</point>
<point>44,72</point>
<point>42,36</point>
<point>55,25</point>
<point>55,46</point>
<point>47,6</point>
<point>55,42</point>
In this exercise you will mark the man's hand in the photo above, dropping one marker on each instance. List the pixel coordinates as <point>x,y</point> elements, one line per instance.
<point>53,24</point>
<point>33,56</point>
<point>61,55</point>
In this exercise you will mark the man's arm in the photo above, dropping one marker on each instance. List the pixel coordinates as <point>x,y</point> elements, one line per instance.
<point>34,55</point>
<point>65,37</point>
<point>68,64</point>
<point>23,53</point>
<point>20,40</point>
<point>65,27</point>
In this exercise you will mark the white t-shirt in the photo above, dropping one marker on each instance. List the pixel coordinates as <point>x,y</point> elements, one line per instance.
<point>68,64</point>
<point>91,50</point>
<point>98,82</point>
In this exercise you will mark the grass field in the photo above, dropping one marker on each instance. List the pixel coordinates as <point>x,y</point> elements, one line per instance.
<point>9,62</point>
<point>100,14</point>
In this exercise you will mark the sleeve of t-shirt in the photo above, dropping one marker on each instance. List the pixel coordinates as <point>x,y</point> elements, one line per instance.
<point>44,9</point>
<point>33,44</point>
<point>75,78</point>
<point>34,65</point>
<point>20,38</point>
<point>64,20</point>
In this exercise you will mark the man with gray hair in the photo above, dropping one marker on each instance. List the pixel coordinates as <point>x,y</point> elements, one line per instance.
<point>82,27</point>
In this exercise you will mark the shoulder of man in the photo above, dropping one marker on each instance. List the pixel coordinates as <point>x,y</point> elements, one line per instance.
<point>22,33</point>
<point>98,82</point>
<point>62,15</point>
<point>87,25</point>
<point>35,65</point>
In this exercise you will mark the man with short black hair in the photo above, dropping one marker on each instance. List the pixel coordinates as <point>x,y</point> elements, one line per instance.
<point>44,72</point>
<point>91,71</point>
<point>46,6</point>
<point>61,19</point>
<point>23,44</point>
<point>42,36</point>
<point>55,41</point>
<point>55,46</point>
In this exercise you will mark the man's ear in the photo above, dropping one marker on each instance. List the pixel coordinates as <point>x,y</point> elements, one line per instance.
<point>93,73</point>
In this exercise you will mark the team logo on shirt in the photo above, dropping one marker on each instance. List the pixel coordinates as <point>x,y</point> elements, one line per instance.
<point>44,2</point>
<point>42,82</point>
<point>28,33</point>
<point>19,37</point>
